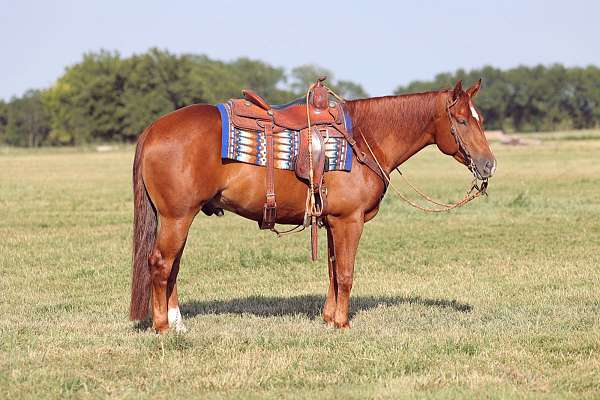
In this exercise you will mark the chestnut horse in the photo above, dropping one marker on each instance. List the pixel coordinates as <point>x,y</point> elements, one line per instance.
<point>178,171</point>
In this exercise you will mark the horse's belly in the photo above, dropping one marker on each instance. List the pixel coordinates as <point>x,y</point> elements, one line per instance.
<point>245,193</point>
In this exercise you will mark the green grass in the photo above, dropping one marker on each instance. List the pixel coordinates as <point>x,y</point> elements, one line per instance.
<point>583,134</point>
<point>500,299</point>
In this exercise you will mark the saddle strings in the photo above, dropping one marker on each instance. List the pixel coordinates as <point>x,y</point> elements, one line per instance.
<point>311,206</point>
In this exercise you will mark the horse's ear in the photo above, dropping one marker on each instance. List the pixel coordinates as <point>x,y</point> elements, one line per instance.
<point>457,90</point>
<point>472,91</point>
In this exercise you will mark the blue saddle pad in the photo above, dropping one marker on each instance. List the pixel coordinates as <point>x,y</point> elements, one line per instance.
<point>250,146</point>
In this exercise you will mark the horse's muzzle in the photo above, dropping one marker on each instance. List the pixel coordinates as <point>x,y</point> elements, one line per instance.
<point>485,167</point>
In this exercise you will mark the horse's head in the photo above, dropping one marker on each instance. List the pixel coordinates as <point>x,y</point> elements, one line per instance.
<point>459,132</point>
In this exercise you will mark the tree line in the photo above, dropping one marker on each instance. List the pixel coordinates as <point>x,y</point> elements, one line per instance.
<point>528,99</point>
<point>109,98</point>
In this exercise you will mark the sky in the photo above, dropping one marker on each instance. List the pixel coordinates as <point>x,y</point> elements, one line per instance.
<point>379,44</point>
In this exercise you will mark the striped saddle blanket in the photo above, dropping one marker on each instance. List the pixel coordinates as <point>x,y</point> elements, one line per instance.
<point>250,146</point>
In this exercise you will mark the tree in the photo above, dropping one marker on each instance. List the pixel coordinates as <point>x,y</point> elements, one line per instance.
<point>529,98</point>
<point>305,75</point>
<point>154,83</point>
<point>262,78</point>
<point>85,103</point>
<point>108,98</point>
<point>3,120</point>
<point>26,121</point>
<point>350,90</point>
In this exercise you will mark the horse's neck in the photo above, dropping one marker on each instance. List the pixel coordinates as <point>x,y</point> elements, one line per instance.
<point>396,127</point>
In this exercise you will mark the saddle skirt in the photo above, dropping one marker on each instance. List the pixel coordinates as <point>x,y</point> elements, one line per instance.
<point>249,145</point>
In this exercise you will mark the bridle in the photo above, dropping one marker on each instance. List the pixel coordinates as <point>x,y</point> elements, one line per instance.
<point>462,148</point>
<point>476,190</point>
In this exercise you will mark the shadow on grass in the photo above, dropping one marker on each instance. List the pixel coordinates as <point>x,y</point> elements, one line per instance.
<point>309,305</point>
<point>143,325</point>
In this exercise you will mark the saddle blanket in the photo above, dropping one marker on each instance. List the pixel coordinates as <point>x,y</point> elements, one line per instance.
<point>251,146</point>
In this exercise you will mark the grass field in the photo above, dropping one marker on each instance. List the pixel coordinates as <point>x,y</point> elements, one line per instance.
<point>500,299</point>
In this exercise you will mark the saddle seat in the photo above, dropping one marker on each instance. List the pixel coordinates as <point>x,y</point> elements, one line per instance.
<point>250,112</point>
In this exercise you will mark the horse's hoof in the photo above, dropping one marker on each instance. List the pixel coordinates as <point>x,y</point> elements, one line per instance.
<point>161,331</point>
<point>342,325</point>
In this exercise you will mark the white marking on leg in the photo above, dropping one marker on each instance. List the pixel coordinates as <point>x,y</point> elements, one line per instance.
<point>175,320</point>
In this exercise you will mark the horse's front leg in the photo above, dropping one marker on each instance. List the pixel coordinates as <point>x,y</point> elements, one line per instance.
<point>346,234</point>
<point>331,301</point>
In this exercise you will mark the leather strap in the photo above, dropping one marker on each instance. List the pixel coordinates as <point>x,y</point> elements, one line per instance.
<point>270,207</point>
<point>364,159</point>
<point>314,237</point>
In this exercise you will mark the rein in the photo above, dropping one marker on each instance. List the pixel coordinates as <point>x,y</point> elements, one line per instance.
<point>473,193</point>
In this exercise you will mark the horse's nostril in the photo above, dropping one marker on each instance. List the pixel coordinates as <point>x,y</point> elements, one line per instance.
<point>489,166</point>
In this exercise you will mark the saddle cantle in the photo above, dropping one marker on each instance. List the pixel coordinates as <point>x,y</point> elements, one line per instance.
<point>317,118</point>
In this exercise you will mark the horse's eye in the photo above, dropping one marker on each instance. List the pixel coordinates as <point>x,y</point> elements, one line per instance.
<point>463,121</point>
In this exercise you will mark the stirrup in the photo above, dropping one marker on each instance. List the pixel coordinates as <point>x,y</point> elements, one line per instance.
<point>269,217</point>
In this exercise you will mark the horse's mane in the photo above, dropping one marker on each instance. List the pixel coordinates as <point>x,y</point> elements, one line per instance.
<point>382,114</point>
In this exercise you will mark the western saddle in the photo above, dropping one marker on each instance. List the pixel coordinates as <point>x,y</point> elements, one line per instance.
<point>317,117</point>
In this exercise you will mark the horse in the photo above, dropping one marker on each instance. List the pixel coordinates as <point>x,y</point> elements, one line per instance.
<point>178,171</point>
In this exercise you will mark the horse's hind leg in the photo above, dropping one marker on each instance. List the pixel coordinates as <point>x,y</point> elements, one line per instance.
<point>164,265</point>
<point>174,314</point>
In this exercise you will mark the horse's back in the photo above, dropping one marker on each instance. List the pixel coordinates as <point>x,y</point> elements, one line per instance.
<point>187,125</point>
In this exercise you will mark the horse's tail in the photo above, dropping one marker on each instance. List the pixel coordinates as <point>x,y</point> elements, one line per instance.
<point>144,234</point>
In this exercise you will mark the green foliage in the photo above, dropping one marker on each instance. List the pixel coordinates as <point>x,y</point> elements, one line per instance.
<point>3,120</point>
<point>305,75</point>
<point>260,77</point>
<point>155,83</point>
<point>106,97</point>
<point>85,104</point>
<point>24,121</point>
<point>350,90</point>
<point>530,98</point>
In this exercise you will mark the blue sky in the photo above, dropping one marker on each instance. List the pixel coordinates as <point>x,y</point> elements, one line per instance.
<point>379,44</point>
